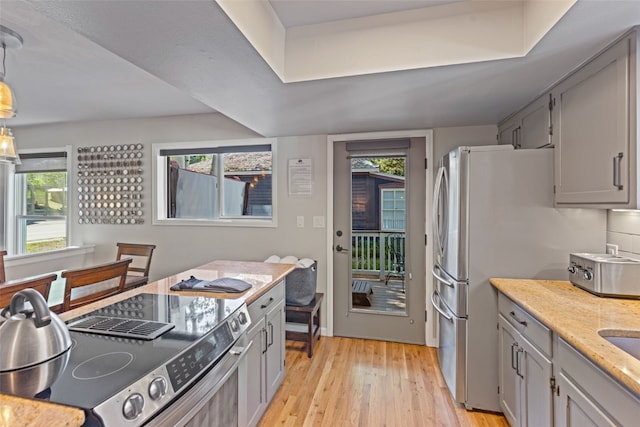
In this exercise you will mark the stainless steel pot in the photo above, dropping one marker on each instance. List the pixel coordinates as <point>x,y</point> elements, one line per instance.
<point>34,345</point>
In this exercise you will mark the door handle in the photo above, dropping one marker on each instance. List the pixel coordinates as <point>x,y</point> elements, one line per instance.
<point>340,249</point>
<point>518,371</point>
<point>270,334</point>
<point>513,357</point>
<point>440,278</point>
<point>436,305</point>
<point>617,160</point>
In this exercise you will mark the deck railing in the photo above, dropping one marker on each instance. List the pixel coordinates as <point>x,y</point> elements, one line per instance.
<point>377,253</point>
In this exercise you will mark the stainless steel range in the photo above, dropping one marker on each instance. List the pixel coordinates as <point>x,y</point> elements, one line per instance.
<point>605,274</point>
<point>132,361</point>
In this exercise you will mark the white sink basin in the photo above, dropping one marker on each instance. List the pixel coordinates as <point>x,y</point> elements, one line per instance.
<point>627,341</point>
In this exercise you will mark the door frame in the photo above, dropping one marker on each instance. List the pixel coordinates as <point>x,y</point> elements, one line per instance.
<point>431,327</point>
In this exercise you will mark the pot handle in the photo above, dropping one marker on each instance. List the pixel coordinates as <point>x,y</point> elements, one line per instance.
<point>39,304</point>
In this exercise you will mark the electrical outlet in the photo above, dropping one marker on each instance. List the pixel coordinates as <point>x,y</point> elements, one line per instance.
<point>300,221</point>
<point>612,249</point>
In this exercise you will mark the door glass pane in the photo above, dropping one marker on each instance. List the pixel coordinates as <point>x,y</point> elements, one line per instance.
<point>378,234</point>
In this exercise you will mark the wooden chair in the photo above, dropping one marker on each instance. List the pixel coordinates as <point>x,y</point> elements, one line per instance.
<point>3,277</point>
<point>41,283</point>
<point>140,254</point>
<point>86,285</point>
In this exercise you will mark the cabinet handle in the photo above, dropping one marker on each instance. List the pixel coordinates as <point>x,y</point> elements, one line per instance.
<point>265,340</point>
<point>267,304</point>
<point>522,322</point>
<point>617,160</point>
<point>513,358</point>
<point>518,353</point>
<point>271,334</point>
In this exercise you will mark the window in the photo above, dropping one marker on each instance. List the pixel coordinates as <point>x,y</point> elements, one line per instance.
<point>393,209</point>
<point>38,214</point>
<point>215,183</point>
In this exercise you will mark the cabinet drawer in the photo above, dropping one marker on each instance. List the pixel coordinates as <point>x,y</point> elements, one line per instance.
<point>539,335</point>
<point>266,302</point>
<point>600,388</point>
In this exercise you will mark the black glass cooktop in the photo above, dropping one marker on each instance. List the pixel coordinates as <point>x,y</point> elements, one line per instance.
<point>100,366</point>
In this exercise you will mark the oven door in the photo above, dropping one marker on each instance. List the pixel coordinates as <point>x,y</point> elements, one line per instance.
<point>213,399</point>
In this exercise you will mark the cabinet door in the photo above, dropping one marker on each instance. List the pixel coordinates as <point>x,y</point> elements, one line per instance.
<point>508,132</point>
<point>536,395</point>
<point>256,399</point>
<point>575,409</point>
<point>534,124</point>
<point>508,378</point>
<point>275,348</point>
<point>591,131</point>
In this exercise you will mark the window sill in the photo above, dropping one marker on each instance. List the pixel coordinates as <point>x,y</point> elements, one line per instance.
<point>24,259</point>
<point>265,223</point>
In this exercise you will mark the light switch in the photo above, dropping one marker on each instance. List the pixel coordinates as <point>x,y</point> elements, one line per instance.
<point>318,222</point>
<point>300,221</point>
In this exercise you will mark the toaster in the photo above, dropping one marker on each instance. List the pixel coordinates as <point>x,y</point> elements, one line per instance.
<point>605,275</point>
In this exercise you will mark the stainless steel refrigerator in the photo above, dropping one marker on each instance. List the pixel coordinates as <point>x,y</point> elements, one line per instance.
<point>494,217</point>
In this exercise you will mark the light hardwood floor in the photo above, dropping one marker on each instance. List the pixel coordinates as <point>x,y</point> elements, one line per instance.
<point>356,382</point>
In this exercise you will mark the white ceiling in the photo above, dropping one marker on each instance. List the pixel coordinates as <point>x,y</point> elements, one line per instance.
<point>102,59</point>
<point>293,13</point>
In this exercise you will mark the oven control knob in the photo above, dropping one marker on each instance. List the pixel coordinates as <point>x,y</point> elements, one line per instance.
<point>587,275</point>
<point>157,388</point>
<point>235,326</point>
<point>243,317</point>
<point>132,407</point>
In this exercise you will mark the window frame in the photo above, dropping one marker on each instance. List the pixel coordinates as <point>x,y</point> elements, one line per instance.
<point>13,241</point>
<point>160,193</point>
<point>382,209</point>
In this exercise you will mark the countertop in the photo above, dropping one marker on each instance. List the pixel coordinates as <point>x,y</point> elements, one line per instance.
<point>577,316</point>
<point>16,411</point>
<point>262,276</point>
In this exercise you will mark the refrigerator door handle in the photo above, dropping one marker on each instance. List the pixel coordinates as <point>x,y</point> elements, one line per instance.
<point>435,272</point>
<point>436,208</point>
<point>435,295</point>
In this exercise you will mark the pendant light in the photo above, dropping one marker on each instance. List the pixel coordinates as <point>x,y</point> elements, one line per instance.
<point>8,146</point>
<point>8,104</point>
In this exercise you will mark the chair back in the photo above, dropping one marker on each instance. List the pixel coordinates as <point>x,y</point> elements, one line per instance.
<point>41,283</point>
<point>87,285</point>
<point>3,276</point>
<point>140,255</point>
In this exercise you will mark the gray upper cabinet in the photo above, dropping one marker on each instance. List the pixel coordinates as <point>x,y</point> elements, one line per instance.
<point>594,158</point>
<point>529,127</point>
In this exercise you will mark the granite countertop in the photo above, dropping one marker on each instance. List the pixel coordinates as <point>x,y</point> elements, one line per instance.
<point>262,276</point>
<point>577,316</point>
<point>17,411</point>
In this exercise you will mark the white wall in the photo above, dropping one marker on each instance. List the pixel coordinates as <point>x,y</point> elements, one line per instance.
<point>446,139</point>
<point>182,247</point>
<point>623,229</point>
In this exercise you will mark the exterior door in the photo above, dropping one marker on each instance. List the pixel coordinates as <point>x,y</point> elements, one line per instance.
<point>379,239</point>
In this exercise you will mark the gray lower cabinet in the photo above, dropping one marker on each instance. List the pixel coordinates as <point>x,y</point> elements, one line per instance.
<point>590,397</point>
<point>526,396</point>
<point>265,360</point>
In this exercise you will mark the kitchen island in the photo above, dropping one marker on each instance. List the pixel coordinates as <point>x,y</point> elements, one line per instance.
<point>590,376</point>
<point>262,276</point>
<point>265,279</point>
